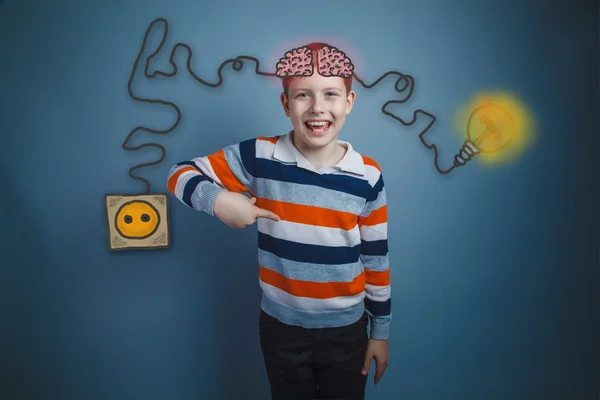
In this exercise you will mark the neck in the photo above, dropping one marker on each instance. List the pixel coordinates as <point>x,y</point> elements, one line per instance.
<point>324,156</point>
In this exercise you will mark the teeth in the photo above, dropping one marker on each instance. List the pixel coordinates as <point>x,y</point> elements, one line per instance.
<point>320,123</point>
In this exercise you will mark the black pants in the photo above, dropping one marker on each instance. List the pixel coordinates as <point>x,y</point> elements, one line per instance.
<point>305,364</point>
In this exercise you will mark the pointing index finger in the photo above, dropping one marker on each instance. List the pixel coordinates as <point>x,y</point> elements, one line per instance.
<point>261,213</point>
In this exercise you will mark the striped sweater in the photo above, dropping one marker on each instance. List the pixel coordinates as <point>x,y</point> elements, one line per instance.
<point>327,259</point>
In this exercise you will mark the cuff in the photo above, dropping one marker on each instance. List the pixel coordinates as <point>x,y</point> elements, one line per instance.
<point>380,330</point>
<point>204,197</point>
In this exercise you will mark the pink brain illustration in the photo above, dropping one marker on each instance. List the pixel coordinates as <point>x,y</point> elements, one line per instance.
<point>333,62</point>
<point>297,62</point>
<point>330,62</point>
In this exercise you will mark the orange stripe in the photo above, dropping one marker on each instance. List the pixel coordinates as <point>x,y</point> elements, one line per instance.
<point>315,290</point>
<point>378,278</point>
<point>371,162</point>
<point>310,215</point>
<point>268,139</point>
<point>173,179</point>
<point>378,216</point>
<point>219,165</point>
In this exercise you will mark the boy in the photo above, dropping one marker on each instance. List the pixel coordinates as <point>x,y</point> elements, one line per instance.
<point>321,215</point>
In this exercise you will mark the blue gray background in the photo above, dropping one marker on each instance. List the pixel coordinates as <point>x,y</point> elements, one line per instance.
<point>495,269</point>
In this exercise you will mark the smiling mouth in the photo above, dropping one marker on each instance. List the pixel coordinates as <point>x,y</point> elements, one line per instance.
<point>318,126</point>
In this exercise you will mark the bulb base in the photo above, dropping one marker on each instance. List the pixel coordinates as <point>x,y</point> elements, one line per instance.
<point>466,153</point>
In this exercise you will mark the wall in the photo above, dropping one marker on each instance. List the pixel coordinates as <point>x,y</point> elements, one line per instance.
<point>495,273</point>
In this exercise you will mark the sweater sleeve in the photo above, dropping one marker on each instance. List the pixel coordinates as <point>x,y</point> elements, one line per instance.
<point>197,182</point>
<point>375,259</point>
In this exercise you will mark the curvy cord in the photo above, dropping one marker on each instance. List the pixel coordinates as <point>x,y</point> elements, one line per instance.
<point>237,65</point>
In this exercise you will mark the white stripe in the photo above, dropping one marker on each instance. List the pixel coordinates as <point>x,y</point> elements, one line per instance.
<point>206,168</point>
<point>372,174</point>
<point>308,304</point>
<point>182,181</point>
<point>374,232</point>
<point>378,293</point>
<point>264,149</point>
<point>176,168</point>
<point>309,234</point>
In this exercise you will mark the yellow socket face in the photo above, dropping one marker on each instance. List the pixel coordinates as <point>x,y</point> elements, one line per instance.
<point>137,219</point>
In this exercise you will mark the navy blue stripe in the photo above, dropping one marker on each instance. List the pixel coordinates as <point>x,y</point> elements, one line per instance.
<point>190,186</point>
<point>193,164</point>
<point>190,163</point>
<point>308,253</point>
<point>374,248</point>
<point>378,187</point>
<point>248,154</point>
<point>379,308</point>
<point>275,170</point>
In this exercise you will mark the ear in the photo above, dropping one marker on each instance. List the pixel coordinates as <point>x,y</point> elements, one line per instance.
<point>350,101</point>
<point>285,104</point>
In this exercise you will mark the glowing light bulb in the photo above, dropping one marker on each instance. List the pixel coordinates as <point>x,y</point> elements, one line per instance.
<point>490,128</point>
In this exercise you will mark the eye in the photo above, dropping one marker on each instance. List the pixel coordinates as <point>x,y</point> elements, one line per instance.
<point>128,219</point>
<point>302,95</point>
<point>145,218</point>
<point>331,93</point>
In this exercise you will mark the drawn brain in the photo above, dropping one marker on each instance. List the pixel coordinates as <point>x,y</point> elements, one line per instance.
<point>296,62</point>
<point>299,62</point>
<point>333,62</point>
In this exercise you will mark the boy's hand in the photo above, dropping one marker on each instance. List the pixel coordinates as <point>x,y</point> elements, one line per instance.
<point>377,349</point>
<point>237,211</point>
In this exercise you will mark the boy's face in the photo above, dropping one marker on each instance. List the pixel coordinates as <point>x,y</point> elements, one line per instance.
<point>317,107</point>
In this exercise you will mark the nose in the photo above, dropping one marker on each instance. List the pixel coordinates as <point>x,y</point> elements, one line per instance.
<point>316,105</point>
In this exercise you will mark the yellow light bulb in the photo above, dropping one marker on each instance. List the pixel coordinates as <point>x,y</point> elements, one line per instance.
<point>490,128</point>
